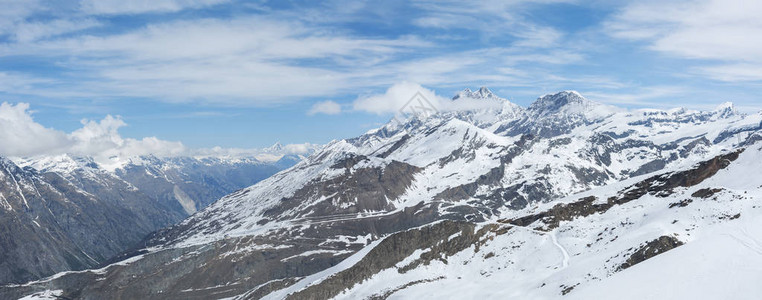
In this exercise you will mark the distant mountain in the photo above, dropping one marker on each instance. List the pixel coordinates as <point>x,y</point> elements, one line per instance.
<point>64,212</point>
<point>49,224</point>
<point>488,201</point>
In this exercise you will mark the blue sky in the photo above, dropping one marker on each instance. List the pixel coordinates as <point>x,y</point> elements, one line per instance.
<point>249,73</point>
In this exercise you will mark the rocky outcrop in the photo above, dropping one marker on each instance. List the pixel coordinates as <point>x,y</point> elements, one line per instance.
<point>357,190</point>
<point>660,185</point>
<point>441,240</point>
<point>706,193</point>
<point>651,249</point>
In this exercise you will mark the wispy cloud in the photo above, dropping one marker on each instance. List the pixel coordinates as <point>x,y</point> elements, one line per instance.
<point>641,97</point>
<point>279,57</point>
<point>325,107</point>
<point>253,60</point>
<point>15,11</point>
<point>404,95</point>
<point>142,6</point>
<point>726,35</point>
<point>267,55</point>
<point>30,31</point>
<point>100,139</point>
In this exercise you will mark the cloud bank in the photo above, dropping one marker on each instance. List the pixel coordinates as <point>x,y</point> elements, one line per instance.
<point>727,34</point>
<point>325,107</point>
<point>22,136</point>
<point>400,96</point>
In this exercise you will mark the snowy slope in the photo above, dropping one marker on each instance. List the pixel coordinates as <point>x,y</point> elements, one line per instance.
<point>722,264</point>
<point>581,258</point>
<point>462,163</point>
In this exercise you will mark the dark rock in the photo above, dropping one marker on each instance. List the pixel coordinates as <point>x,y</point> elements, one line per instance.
<point>396,248</point>
<point>651,249</point>
<point>660,185</point>
<point>682,203</point>
<point>706,193</point>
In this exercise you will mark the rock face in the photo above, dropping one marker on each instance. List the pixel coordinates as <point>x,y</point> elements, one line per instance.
<point>73,215</point>
<point>50,225</point>
<point>443,239</point>
<point>498,200</point>
<point>661,185</point>
<point>182,184</point>
<point>651,249</point>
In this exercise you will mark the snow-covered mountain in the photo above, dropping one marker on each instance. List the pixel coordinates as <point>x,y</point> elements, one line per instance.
<point>49,224</point>
<point>188,183</point>
<point>492,200</point>
<point>66,212</point>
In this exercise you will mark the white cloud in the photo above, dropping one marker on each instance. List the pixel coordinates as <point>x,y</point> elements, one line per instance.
<point>14,11</point>
<point>101,138</point>
<point>22,136</point>
<point>396,98</point>
<point>250,37</point>
<point>400,97</point>
<point>142,6</point>
<point>724,33</point>
<point>300,149</point>
<point>271,154</point>
<point>732,72</point>
<point>19,82</point>
<point>31,31</point>
<point>97,136</point>
<point>247,60</point>
<point>18,22</point>
<point>538,37</point>
<point>325,107</point>
<point>642,97</point>
<point>491,18</point>
<point>259,60</point>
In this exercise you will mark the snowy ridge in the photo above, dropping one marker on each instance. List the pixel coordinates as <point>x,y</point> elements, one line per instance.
<point>68,163</point>
<point>453,152</point>
<point>583,257</point>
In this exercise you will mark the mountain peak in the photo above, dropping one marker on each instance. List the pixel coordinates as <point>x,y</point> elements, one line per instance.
<point>5,162</point>
<point>561,98</point>
<point>570,101</point>
<point>482,93</point>
<point>726,109</point>
<point>277,147</point>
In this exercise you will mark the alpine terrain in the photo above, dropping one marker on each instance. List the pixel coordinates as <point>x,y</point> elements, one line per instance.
<point>64,212</point>
<point>564,199</point>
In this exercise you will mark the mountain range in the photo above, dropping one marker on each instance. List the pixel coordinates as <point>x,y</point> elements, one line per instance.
<point>566,198</point>
<point>66,212</point>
